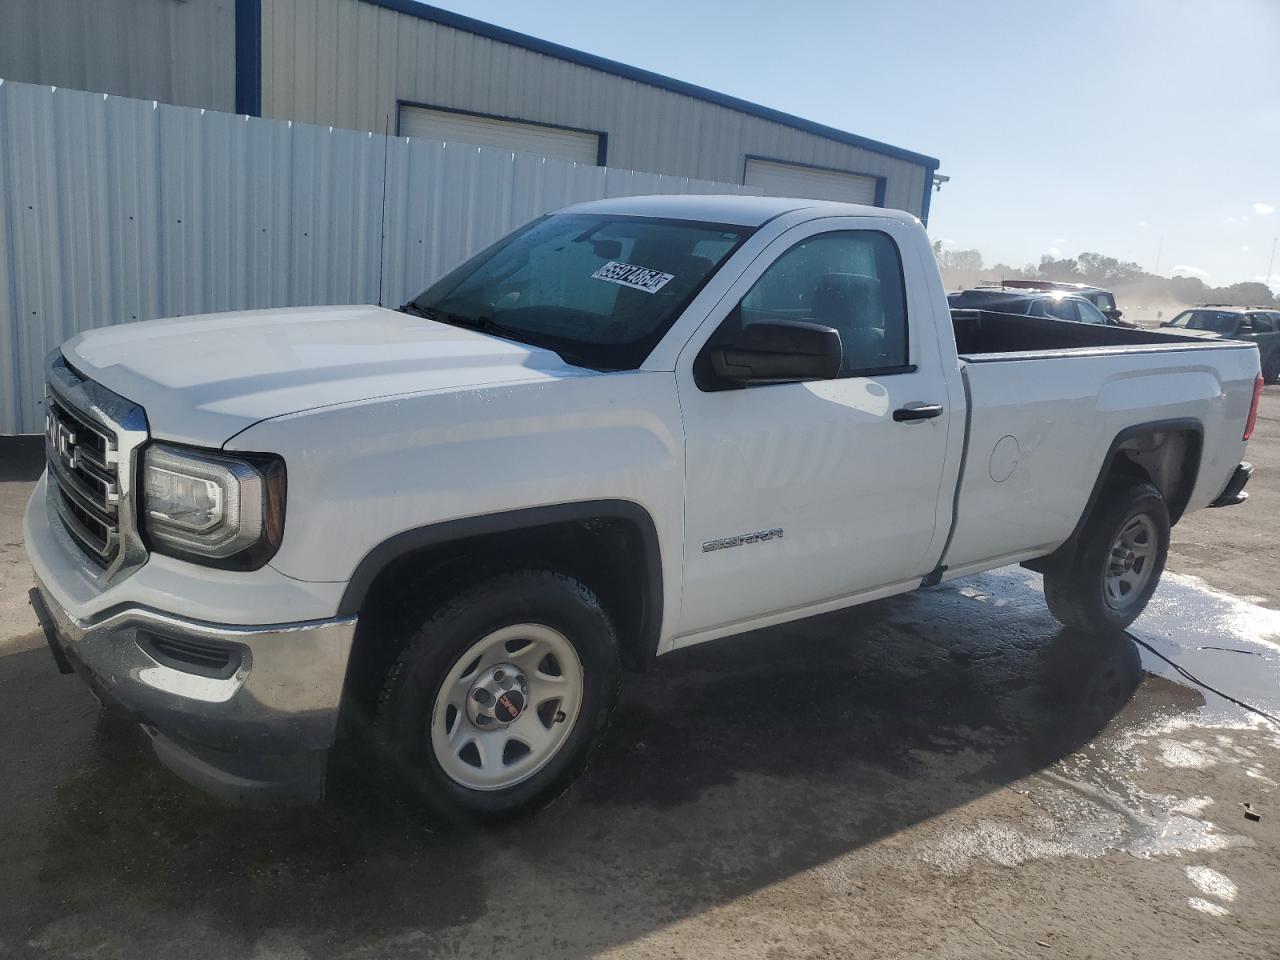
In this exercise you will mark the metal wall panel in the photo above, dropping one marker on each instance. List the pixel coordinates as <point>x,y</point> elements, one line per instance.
<point>347,63</point>
<point>174,51</point>
<point>114,209</point>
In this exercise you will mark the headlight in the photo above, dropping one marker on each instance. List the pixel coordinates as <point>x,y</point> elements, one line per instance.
<point>213,508</point>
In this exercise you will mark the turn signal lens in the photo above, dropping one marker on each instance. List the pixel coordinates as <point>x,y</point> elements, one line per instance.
<point>1253,408</point>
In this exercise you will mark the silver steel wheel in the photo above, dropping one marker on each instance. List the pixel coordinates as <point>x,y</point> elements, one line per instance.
<point>507,707</point>
<point>1131,562</point>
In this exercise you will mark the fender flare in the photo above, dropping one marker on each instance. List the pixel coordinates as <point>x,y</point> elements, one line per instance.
<point>1189,425</point>
<point>509,521</point>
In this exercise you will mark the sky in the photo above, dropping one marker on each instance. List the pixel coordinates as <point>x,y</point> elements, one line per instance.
<point>1147,130</point>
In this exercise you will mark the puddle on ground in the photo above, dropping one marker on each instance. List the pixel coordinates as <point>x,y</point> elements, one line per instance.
<point>1111,794</point>
<point>1212,883</point>
<point>1204,906</point>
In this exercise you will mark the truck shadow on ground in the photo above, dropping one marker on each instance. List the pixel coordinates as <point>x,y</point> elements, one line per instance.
<point>728,768</point>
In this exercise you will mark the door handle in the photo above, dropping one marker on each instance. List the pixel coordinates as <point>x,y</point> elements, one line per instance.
<point>921,411</point>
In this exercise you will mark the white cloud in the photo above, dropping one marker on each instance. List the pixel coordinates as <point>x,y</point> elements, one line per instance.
<point>1055,252</point>
<point>1058,240</point>
<point>1143,225</point>
<point>1182,269</point>
<point>1265,209</point>
<point>1244,249</point>
<point>1273,282</point>
<point>948,243</point>
<point>1234,220</point>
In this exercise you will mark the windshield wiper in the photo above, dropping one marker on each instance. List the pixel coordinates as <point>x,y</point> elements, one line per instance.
<point>412,307</point>
<point>483,324</point>
<point>493,327</point>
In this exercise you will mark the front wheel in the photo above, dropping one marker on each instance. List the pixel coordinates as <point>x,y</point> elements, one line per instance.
<point>1107,583</point>
<point>498,699</point>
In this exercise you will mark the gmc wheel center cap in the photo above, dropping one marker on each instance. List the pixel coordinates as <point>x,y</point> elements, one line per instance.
<point>498,696</point>
<point>508,707</point>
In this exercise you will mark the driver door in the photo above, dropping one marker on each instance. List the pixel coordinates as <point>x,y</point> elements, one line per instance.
<point>803,493</point>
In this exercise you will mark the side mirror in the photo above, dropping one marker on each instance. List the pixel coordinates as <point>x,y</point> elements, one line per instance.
<point>779,350</point>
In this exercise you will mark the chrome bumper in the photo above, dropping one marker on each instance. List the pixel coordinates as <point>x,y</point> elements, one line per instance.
<point>260,726</point>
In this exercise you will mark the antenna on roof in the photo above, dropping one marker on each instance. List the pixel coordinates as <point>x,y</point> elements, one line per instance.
<point>382,237</point>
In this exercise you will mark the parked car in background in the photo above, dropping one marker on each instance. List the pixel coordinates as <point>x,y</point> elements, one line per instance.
<point>1104,300</point>
<point>1258,325</point>
<point>1049,304</point>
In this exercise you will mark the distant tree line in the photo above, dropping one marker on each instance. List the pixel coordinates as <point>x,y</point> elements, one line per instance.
<point>1101,271</point>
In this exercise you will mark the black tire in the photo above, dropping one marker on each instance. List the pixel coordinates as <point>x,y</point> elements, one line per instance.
<point>1075,589</point>
<point>1271,368</point>
<point>399,736</point>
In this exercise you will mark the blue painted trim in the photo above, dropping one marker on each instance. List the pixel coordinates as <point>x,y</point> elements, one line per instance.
<point>928,194</point>
<point>458,22</point>
<point>882,183</point>
<point>249,57</point>
<point>602,142</point>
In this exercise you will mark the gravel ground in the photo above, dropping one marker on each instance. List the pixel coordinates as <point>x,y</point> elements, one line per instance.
<point>945,774</point>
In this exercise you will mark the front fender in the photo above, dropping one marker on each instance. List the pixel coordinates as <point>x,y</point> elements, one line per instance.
<point>364,477</point>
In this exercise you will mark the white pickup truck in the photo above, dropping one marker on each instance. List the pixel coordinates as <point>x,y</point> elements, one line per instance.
<point>438,532</point>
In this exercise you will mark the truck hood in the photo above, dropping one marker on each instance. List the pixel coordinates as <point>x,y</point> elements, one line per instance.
<point>203,379</point>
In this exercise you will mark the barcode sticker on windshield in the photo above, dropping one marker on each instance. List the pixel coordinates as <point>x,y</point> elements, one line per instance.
<point>629,275</point>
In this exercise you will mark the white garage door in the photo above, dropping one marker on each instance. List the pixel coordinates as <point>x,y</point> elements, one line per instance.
<point>792,180</point>
<point>504,134</point>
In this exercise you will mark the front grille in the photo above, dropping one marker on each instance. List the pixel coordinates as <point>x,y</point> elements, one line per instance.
<point>83,465</point>
<point>92,437</point>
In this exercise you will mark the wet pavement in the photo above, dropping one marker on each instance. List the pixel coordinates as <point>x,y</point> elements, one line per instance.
<point>947,773</point>
<point>908,744</point>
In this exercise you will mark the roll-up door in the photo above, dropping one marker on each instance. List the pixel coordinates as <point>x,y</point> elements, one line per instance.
<point>794,180</point>
<point>505,134</point>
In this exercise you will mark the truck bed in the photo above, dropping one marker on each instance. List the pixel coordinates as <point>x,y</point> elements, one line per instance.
<point>991,335</point>
<point>1046,399</point>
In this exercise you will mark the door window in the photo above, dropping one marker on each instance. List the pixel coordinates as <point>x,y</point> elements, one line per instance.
<point>849,280</point>
<point>1262,323</point>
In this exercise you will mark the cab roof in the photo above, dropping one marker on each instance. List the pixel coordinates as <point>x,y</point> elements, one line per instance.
<point>742,210</point>
<point>1063,285</point>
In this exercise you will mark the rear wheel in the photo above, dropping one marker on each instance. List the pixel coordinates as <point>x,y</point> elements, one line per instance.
<point>1107,583</point>
<point>1271,368</point>
<point>498,698</point>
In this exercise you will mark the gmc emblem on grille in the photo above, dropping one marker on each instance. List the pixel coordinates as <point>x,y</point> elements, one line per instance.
<point>64,441</point>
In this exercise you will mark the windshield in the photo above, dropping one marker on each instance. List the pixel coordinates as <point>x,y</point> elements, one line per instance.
<point>1218,321</point>
<point>599,290</point>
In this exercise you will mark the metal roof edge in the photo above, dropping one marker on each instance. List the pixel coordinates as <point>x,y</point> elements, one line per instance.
<point>460,22</point>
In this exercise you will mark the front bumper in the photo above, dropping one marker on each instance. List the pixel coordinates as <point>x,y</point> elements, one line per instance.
<point>257,727</point>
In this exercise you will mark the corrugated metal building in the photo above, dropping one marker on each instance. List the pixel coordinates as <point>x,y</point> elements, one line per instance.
<point>114,209</point>
<point>183,53</point>
<point>423,71</point>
